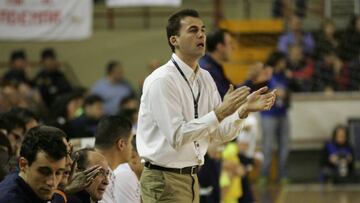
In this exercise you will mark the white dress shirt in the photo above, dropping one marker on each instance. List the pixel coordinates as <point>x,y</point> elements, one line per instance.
<point>127,187</point>
<point>167,128</point>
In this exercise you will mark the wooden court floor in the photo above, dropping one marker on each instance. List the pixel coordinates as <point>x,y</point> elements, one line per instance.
<point>309,193</point>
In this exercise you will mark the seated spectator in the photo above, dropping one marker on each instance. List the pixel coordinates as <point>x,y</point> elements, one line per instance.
<point>338,157</point>
<point>88,158</point>
<point>15,129</point>
<point>51,81</point>
<point>129,108</point>
<point>73,182</point>
<point>85,125</point>
<point>300,70</point>
<point>27,116</point>
<point>21,95</point>
<point>330,73</point>
<point>127,181</point>
<point>350,41</point>
<point>66,108</point>
<point>326,39</point>
<point>113,140</point>
<point>18,64</point>
<point>41,167</point>
<point>296,35</point>
<point>113,88</point>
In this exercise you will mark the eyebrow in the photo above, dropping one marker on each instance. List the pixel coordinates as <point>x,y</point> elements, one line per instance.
<point>194,26</point>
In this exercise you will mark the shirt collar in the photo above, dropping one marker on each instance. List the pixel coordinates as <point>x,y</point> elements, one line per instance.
<point>190,74</point>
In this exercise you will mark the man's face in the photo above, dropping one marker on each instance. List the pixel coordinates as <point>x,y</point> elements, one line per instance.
<point>99,184</point>
<point>95,110</point>
<point>15,137</point>
<point>117,73</point>
<point>50,64</point>
<point>44,174</point>
<point>228,47</point>
<point>191,38</point>
<point>19,64</point>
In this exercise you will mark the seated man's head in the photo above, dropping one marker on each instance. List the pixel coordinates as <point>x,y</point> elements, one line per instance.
<point>48,59</point>
<point>42,160</point>
<point>94,106</point>
<point>114,133</point>
<point>87,158</point>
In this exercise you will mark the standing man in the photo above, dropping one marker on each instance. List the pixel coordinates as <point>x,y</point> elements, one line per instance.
<point>181,113</point>
<point>219,47</point>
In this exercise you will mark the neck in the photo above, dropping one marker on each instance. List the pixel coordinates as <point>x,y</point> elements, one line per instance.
<point>112,157</point>
<point>216,56</point>
<point>191,61</point>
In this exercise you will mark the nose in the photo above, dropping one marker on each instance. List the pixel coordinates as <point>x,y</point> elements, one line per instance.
<point>51,181</point>
<point>105,180</point>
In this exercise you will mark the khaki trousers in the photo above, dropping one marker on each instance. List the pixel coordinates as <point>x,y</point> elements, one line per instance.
<point>168,187</point>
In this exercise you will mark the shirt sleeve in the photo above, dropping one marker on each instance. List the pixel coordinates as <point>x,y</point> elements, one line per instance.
<point>228,129</point>
<point>167,112</point>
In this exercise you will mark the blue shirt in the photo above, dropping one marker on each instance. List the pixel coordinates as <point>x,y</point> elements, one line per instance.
<point>217,73</point>
<point>112,94</point>
<point>289,38</point>
<point>278,81</point>
<point>13,189</point>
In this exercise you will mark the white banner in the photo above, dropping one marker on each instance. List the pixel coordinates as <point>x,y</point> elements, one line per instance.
<point>45,19</point>
<point>121,3</point>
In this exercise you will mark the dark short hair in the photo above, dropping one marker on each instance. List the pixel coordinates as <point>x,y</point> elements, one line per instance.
<point>92,99</point>
<point>12,121</point>
<point>111,66</point>
<point>17,54</point>
<point>43,138</point>
<point>174,24</point>
<point>214,38</point>
<point>81,157</point>
<point>274,58</point>
<point>24,114</point>
<point>48,53</point>
<point>110,129</point>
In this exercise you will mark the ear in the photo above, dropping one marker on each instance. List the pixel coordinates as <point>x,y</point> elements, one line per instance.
<point>23,164</point>
<point>120,144</point>
<point>220,46</point>
<point>173,41</point>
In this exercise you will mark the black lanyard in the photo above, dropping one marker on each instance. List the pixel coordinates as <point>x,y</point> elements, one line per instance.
<point>195,100</point>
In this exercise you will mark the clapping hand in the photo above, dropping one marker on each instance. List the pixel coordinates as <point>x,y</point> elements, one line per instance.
<point>259,100</point>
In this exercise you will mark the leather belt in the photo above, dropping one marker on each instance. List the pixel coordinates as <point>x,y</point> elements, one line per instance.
<point>187,170</point>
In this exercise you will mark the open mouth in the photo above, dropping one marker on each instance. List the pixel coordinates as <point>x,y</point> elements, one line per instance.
<point>201,45</point>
